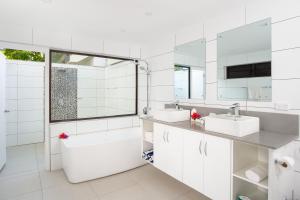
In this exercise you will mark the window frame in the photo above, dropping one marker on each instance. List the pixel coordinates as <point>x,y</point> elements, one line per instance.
<point>189,77</point>
<point>95,55</point>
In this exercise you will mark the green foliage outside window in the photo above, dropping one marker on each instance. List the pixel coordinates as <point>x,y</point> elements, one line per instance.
<point>13,54</point>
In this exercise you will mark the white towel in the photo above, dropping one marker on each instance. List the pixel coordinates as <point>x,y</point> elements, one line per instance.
<point>254,92</point>
<point>257,173</point>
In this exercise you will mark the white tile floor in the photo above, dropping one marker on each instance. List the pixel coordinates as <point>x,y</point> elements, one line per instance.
<point>24,178</point>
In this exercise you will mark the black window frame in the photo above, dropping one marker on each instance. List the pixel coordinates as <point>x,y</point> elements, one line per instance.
<point>189,78</point>
<point>95,55</point>
<point>250,70</point>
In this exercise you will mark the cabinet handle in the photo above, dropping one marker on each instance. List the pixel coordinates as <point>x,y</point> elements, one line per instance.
<point>164,136</point>
<point>205,149</point>
<point>168,136</point>
<point>200,147</point>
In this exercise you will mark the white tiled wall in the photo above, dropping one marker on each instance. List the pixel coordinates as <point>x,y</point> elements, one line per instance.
<point>85,127</point>
<point>120,89</point>
<point>89,91</point>
<point>285,51</point>
<point>25,101</point>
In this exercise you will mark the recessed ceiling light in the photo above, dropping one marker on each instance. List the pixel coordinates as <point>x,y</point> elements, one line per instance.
<point>148,14</point>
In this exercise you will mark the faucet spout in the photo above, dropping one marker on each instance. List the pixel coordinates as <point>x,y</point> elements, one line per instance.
<point>177,107</point>
<point>235,109</point>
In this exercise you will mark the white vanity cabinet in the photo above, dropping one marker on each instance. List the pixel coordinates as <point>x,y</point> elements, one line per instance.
<point>193,160</point>
<point>201,161</point>
<point>168,149</point>
<point>217,167</point>
<point>207,164</point>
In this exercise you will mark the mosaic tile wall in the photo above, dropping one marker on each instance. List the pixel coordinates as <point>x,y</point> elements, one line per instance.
<point>64,89</point>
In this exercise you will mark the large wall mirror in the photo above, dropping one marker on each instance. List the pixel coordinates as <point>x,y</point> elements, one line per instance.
<point>86,86</point>
<point>189,70</point>
<point>244,63</point>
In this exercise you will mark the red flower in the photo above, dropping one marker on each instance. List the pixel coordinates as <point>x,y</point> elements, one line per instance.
<point>63,136</point>
<point>195,116</point>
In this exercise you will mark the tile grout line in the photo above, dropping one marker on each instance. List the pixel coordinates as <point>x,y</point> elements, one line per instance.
<point>92,189</point>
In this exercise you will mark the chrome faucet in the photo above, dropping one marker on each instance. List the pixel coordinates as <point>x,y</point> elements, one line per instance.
<point>177,107</point>
<point>235,109</point>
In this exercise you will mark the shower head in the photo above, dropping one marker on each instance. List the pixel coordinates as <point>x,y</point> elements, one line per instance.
<point>143,68</point>
<point>146,70</point>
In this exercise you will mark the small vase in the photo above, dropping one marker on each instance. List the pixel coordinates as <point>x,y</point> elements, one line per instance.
<point>193,122</point>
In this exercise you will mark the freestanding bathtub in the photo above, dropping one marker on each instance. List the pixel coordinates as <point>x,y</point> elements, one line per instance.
<point>91,156</point>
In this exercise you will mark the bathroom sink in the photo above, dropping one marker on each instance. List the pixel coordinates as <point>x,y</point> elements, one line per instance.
<point>171,115</point>
<point>231,125</point>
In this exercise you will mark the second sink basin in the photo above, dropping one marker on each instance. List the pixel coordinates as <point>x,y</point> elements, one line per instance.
<point>231,125</point>
<point>171,115</point>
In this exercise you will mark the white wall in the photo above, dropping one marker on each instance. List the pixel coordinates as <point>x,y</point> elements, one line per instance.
<point>90,91</point>
<point>25,101</point>
<point>120,88</point>
<point>285,50</point>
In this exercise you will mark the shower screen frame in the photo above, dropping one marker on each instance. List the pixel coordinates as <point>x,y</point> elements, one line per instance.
<point>135,61</point>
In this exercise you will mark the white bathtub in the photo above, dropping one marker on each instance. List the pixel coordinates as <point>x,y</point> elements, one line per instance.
<point>96,155</point>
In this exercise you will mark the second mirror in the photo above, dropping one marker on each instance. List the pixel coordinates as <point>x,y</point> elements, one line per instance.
<point>189,70</point>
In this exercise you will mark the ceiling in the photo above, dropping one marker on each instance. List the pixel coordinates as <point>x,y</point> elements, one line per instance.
<point>134,20</point>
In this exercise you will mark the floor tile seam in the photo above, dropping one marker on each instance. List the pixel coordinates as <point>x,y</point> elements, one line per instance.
<point>15,175</point>
<point>38,167</point>
<point>121,189</point>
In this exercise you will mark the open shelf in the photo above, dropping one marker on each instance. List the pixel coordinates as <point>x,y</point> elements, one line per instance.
<point>241,175</point>
<point>148,136</point>
<point>258,195</point>
<point>151,163</point>
<point>147,139</point>
<point>246,156</point>
<point>148,156</point>
<point>245,188</point>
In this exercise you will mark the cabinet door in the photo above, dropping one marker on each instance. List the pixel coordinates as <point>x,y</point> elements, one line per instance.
<point>217,168</point>
<point>160,147</point>
<point>168,151</point>
<point>193,151</point>
<point>174,138</point>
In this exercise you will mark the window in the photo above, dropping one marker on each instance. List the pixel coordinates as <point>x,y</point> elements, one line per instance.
<point>197,81</point>
<point>249,70</point>
<point>84,86</point>
<point>182,82</point>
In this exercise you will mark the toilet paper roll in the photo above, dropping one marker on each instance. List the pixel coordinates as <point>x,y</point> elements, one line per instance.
<point>287,162</point>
